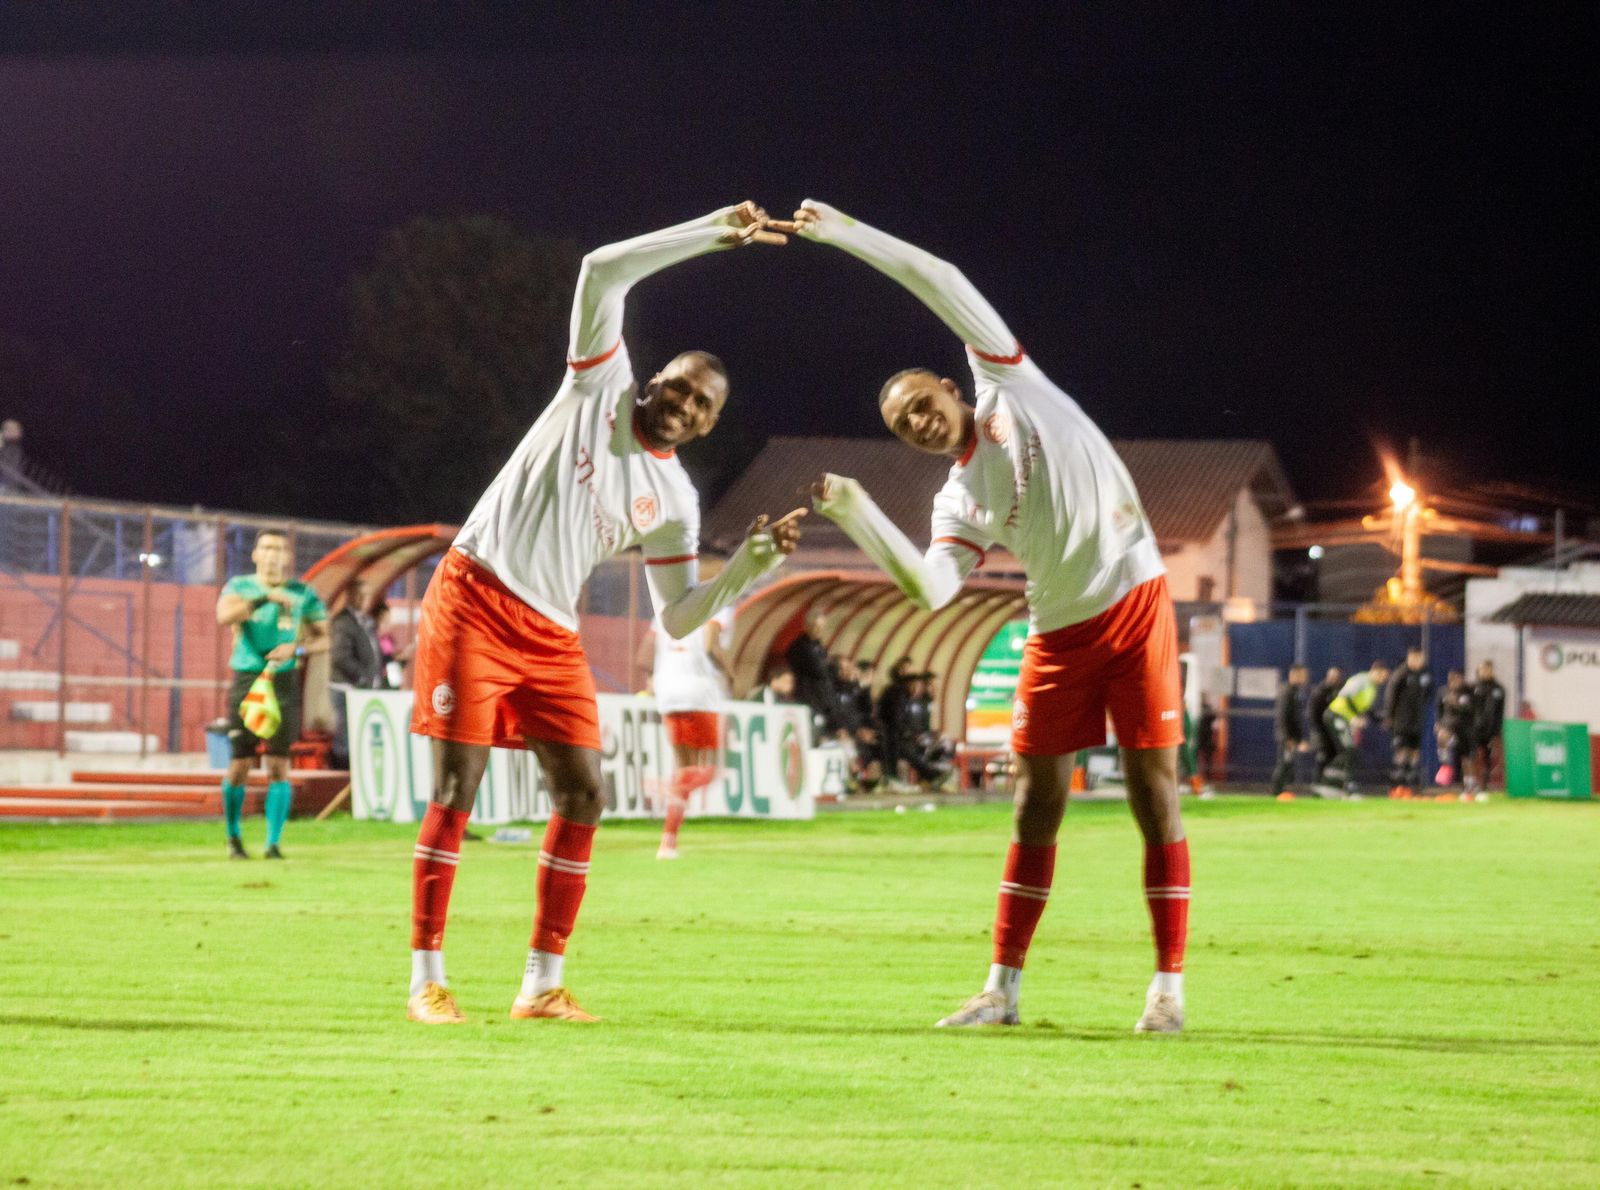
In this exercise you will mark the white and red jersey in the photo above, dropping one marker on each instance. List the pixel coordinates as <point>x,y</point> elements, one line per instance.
<point>685,677</point>
<point>1039,478</point>
<point>583,485</point>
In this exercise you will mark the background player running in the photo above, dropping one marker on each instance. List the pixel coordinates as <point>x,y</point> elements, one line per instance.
<point>1036,476</point>
<point>691,685</point>
<point>498,658</point>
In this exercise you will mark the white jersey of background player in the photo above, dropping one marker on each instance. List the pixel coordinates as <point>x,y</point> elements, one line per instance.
<point>691,684</point>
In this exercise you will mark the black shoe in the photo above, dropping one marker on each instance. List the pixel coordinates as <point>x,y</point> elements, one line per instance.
<point>272,852</point>
<point>236,848</point>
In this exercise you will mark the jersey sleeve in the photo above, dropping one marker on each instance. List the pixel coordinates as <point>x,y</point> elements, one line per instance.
<point>683,603</point>
<point>609,272</point>
<point>929,580</point>
<point>938,284</point>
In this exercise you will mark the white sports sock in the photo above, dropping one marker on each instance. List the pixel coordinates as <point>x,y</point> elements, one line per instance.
<point>1007,980</point>
<point>427,966</point>
<point>542,973</point>
<point>1168,983</point>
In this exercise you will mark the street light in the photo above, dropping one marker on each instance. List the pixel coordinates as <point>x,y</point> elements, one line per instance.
<point>1402,495</point>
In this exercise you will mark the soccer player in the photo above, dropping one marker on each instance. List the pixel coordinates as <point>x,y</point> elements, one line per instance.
<point>276,620</point>
<point>1347,715</point>
<point>498,660</point>
<point>1033,474</point>
<point>1405,708</point>
<point>691,684</point>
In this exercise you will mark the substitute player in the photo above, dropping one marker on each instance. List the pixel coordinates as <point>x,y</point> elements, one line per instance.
<point>691,684</point>
<point>498,659</point>
<point>1033,474</point>
<point>276,620</point>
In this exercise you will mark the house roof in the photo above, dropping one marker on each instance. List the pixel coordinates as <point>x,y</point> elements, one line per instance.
<point>1551,611</point>
<point>1186,486</point>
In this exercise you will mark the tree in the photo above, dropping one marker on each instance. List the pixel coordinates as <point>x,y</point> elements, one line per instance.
<point>456,336</point>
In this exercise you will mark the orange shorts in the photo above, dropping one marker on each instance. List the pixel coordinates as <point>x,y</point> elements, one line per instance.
<point>491,670</point>
<point>693,729</point>
<point>1125,661</point>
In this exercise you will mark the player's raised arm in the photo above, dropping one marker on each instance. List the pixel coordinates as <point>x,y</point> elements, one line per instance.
<point>609,272</point>
<point>929,580</point>
<point>684,604</point>
<point>941,286</point>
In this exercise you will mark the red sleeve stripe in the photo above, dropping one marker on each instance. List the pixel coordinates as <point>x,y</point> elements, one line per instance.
<point>583,365</point>
<point>670,561</point>
<point>998,359</point>
<point>979,550</point>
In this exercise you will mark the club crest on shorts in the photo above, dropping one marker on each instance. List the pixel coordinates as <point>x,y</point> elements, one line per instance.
<point>644,512</point>
<point>444,698</point>
<point>997,427</point>
<point>1019,715</point>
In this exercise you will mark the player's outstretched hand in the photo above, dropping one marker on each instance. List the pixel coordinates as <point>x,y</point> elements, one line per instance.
<point>785,532</point>
<point>817,491</point>
<point>815,220</point>
<point>752,226</point>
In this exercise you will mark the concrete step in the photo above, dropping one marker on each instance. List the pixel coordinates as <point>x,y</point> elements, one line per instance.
<point>31,711</point>
<point>110,741</point>
<point>29,679</point>
<point>10,650</point>
<point>54,808</point>
<point>209,800</point>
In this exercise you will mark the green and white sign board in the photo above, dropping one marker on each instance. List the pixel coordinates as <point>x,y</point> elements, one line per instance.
<point>1547,759</point>
<point>994,686</point>
<point>769,768</point>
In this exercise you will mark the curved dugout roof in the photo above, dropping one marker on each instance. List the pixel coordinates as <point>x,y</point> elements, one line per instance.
<point>869,619</point>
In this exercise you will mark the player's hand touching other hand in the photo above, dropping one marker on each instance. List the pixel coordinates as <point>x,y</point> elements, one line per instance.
<point>752,226</point>
<point>784,533</point>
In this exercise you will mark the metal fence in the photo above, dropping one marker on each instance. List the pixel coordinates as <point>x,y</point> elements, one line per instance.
<point>108,633</point>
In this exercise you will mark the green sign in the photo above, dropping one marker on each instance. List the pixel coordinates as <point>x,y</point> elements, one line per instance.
<point>1547,759</point>
<point>994,685</point>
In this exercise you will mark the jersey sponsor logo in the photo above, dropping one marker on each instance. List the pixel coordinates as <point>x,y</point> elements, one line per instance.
<point>997,427</point>
<point>1168,716</point>
<point>1019,716</point>
<point>644,512</point>
<point>443,699</point>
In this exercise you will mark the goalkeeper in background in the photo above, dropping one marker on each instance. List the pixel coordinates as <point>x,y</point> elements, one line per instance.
<point>276,621</point>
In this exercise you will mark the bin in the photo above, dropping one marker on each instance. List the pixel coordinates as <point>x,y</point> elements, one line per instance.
<point>217,751</point>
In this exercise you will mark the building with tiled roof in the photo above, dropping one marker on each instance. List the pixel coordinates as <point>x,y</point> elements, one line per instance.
<point>1212,503</point>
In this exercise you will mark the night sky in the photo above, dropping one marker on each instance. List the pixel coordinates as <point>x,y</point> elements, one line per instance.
<point>1327,226</point>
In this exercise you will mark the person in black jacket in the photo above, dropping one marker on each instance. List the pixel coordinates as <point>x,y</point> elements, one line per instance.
<point>1317,706</point>
<point>1488,715</point>
<point>1405,708</point>
<point>1289,727</point>
<point>808,660</point>
<point>355,663</point>
<point>1452,720</point>
<point>892,716</point>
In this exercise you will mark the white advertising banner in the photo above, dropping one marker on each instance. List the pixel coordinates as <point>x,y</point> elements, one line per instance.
<point>1561,675</point>
<point>769,769</point>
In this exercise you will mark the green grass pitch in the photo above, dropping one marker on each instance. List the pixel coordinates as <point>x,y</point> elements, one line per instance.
<point>1380,994</point>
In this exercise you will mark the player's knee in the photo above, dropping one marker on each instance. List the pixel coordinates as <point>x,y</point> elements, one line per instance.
<point>579,797</point>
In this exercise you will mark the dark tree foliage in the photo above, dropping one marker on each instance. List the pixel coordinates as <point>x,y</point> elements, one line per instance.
<point>456,338</point>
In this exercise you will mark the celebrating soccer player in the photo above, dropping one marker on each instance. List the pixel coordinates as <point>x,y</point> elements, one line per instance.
<point>1034,475</point>
<point>498,658</point>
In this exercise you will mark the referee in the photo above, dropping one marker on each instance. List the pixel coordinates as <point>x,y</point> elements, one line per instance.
<point>276,621</point>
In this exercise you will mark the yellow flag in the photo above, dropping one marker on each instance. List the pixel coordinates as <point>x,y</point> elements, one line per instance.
<point>260,710</point>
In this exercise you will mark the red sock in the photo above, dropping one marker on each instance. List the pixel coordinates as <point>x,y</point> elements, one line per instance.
<point>675,809</point>
<point>433,872</point>
<point>1166,891</point>
<point>1024,889</point>
<point>563,875</point>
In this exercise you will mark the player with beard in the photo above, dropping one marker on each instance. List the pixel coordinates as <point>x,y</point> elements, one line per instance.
<point>498,660</point>
<point>1034,475</point>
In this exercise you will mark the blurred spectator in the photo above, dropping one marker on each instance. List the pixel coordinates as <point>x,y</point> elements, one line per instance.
<point>779,688</point>
<point>11,456</point>
<point>813,673</point>
<point>930,756</point>
<point>1347,717</point>
<point>1405,708</point>
<point>892,716</point>
<point>1488,716</point>
<point>1321,698</point>
<point>356,663</point>
<point>1205,743</point>
<point>395,656</point>
<point>1289,727</point>
<point>1453,729</point>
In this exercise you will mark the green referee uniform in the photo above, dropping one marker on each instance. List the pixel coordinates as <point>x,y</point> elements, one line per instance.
<point>268,627</point>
